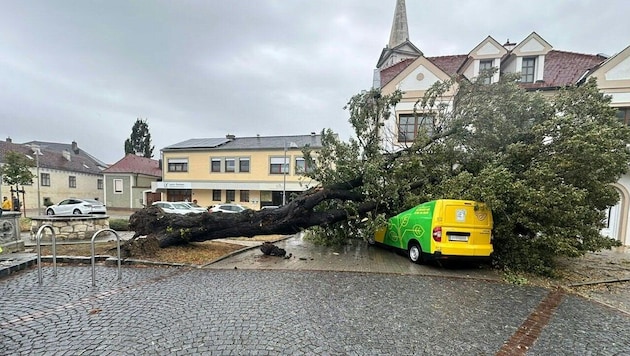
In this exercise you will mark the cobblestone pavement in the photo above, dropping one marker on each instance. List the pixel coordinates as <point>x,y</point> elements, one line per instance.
<point>180,311</point>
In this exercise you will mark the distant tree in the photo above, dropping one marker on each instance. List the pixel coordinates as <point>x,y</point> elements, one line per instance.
<point>140,140</point>
<point>15,170</point>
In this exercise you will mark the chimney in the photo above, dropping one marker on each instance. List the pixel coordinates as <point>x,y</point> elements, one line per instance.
<point>509,45</point>
<point>75,148</point>
<point>66,155</point>
<point>230,137</point>
<point>9,140</point>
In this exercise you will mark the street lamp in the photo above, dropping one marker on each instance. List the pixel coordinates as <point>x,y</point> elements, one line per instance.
<point>37,153</point>
<point>285,170</point>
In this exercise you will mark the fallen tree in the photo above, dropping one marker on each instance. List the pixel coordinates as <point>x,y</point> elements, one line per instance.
<point>529,157</point>
<point>297,215</point>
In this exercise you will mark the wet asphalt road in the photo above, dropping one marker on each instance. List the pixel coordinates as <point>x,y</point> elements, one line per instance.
<point>181,311</point>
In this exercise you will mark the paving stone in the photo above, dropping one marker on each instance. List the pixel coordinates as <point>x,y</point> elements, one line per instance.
<point>226,312</point>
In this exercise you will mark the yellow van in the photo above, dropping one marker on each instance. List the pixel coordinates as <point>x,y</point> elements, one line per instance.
<point>441,229</point>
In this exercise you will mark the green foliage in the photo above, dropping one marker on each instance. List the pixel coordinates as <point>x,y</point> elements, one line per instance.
<point>514,278</point>
<point>544,165</point>
<point>119,224</point>
<point>16,169</point>
<point>140,140</point>
<point>184,234</point>
<point>360,158</point>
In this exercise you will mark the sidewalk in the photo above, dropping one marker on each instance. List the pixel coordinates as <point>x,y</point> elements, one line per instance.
<point>16,261</point>
<point>356,256</point>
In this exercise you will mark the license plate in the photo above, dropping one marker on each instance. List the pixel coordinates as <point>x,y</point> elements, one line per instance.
<point>457,238</point>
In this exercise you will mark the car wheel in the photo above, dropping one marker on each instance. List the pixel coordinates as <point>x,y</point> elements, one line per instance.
<point>415,253</point>
<point>50,212</point>
<point>76,212</point>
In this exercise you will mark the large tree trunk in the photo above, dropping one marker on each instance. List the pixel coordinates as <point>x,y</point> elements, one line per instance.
<point>299,214</point>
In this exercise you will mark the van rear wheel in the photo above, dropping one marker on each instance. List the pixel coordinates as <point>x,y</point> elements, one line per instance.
<point>415,253</point>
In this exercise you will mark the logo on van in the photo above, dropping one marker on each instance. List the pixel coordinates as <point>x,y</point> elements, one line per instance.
<point>423,210</point>
<point>481,215</point>
<point>460,215</point>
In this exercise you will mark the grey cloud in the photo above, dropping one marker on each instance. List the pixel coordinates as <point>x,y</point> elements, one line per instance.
<point>85,70</point>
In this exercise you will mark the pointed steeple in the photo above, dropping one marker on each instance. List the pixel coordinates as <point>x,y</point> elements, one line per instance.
<point>400,29</point>
<point>399,47</point>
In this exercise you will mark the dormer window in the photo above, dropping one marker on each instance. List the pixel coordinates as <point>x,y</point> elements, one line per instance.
<point>484,66</point>
<point>528,70</point>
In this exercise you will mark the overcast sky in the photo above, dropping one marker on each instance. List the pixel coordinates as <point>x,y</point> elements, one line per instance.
<point>86,70</point>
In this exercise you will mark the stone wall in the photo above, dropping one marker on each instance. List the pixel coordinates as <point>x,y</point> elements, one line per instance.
<point>10,240</point>
<point>70,227</point>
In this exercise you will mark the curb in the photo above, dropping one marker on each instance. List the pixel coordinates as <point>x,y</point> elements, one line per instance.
<point>7,266</point>
<point>569,290</point>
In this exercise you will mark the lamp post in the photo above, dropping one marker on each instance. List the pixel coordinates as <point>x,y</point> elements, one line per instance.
<point>285,170</point>
<point>39,200</point>
<point>284,175</point>
<point>37,153</point>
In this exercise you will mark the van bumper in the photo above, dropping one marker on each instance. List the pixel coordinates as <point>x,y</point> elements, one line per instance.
<point>439,256</point>
<point>474,252</point>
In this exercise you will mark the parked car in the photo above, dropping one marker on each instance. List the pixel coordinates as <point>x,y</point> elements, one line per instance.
<point>174,207</point>
<point>227,208</point>
<point>77,206</point>
<point>194,207</point>
<point>269,207</point>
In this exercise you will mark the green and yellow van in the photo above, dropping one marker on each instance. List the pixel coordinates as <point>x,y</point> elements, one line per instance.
<point>441,229</point>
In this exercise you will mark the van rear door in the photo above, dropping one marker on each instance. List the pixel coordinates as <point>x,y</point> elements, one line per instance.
<point>466,228</point>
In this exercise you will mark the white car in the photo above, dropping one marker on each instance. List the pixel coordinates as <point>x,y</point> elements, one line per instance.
<point>76,206</point>
<point>174,207</point>
<point>227,208</point>
<point>194,207</point>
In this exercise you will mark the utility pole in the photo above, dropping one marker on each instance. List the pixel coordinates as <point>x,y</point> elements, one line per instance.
<point>284,175</point>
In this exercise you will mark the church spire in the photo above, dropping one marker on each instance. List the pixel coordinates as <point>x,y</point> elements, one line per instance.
<point>400,30</point>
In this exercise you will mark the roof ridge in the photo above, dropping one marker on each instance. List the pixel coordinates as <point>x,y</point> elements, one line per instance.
<point>449,55</point>
<point>578,53</point>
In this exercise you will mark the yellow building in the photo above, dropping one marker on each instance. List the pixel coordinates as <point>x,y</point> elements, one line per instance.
<point>251,171</point>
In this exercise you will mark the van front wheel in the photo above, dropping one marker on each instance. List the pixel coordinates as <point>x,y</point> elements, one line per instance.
<point>415,253</point>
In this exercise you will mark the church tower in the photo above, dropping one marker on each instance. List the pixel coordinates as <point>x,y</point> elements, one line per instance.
<point>399,47</point>
<point>400,29</point>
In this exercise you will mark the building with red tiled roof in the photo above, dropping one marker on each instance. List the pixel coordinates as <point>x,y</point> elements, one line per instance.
<point>541,68</point>
<point>565,68</point>
<point>553,70</point>
<point>449,64</point>
<point>60,172</point>
<point>128,182</point>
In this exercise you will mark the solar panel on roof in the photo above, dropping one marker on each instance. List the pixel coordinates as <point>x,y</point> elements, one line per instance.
<point>200,143</point>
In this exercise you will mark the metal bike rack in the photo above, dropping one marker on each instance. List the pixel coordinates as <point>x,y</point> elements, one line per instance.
<point>93,257</point>
<point>39,251</point>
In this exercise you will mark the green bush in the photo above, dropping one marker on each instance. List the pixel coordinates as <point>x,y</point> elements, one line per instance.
<point>119,224</point>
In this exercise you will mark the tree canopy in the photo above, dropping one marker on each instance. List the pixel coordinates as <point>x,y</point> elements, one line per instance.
<point>545,165</point>
<point>15,170</point>
<point>140,140</point>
